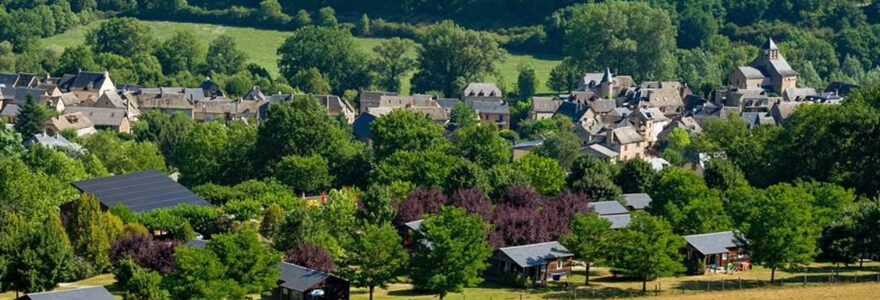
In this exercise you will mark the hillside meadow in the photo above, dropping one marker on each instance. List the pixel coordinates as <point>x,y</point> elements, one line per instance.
<point>261,46</point>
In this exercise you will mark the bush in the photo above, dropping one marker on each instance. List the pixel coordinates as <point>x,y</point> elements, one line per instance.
<point>243,210</point>
<point>124,270</point>
<point>381,28</point>
<point>695,267</point>
<point>81,269</point>
<point>525,39</point>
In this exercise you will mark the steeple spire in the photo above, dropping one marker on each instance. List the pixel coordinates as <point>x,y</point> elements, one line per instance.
<point>769,45</point>
<point>607,76</point>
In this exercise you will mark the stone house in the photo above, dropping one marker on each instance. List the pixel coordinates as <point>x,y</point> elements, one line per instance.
<point>75,121</point>
<point>482,92</point>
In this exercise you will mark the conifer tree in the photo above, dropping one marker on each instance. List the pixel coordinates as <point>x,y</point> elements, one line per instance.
<point>87,232</point>
<point>31,117</point>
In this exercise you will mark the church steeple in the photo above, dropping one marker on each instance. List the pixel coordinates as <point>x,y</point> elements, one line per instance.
<point>607,84</point>
<point>607,76</point>
<point>770,50</point>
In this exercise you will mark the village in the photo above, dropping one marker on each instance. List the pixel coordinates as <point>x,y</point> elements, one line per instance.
<point>615,121</point>
<point>434,149</point>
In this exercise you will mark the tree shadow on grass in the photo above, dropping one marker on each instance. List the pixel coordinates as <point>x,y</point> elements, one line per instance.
<point>409,292</point>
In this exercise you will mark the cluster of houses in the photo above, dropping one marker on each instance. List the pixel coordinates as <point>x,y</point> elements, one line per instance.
<point>615,119</point>
<point>88,101</point>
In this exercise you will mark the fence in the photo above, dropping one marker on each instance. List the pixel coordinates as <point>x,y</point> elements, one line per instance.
<point>684,286</point>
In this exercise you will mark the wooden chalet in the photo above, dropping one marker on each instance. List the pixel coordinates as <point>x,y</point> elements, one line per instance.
<point>301,283</point>
<point>716,251</point>
<point>534,264</point>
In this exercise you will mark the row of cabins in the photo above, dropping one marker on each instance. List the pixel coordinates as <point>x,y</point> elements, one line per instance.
<point>535,264</point>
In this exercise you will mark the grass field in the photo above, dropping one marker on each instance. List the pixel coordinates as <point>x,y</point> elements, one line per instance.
<point>260,45</point>
<point>603,285</point>
<point>853,283</point>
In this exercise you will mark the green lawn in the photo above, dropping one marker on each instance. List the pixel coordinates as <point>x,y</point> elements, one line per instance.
<point>261,45</point>
<point>754,285</point>
<point>603,285</point>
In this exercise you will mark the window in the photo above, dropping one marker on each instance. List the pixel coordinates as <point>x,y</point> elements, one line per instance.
<point>559,264</point>
<point>724,256</point>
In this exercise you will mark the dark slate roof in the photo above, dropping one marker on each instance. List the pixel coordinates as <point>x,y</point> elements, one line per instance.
<point>607,208</point>
<point>528,144</point>
<point>491,107</point>
<point>637,201</point>
<point>128,87</point>
<point>140,191</point>
<point>535,254</point>
<point>447,103</point>
<point>769,45</point>
<point>49,141</point>
<point>101,116</point>
<point>604,105</point>
<point>545,104</point>
<point>8,79</point>
<point>84,81</point>
<point>88,293</point>
<point>361,126</point>
<point>841,88</point>
<point>10,110</point>
<point>299,278</point>
<point>712,243</point>
<point>618,221</point>
<point>196,243</point>
<point>254,94</point>
<point>571,110</point>
<point>414,225</point>
<point>211,89</point>
<point>22,92</point>
<point>750,73</point>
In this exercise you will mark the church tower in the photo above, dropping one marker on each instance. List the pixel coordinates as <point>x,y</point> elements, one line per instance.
<point>769,50</point>
<point>606,86</point>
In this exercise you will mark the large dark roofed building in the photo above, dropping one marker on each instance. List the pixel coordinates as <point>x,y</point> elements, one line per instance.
<point>88,293</point>
<point>140,191</point>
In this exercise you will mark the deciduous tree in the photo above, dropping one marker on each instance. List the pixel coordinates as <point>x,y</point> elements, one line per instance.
<point>781,231</point>
<point>122,36</point>
<point>311,256</point>
<point>545,173</point>
<point>306,175</point>
<point>224,57</point>
<point>452,56</point>
<point>405,130</point>
<point>456,255</point>
<point>331,51</point>
<point>589,238</point>
<point>392,61</point>
<point>647,249</point>
<point>376,257</point>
